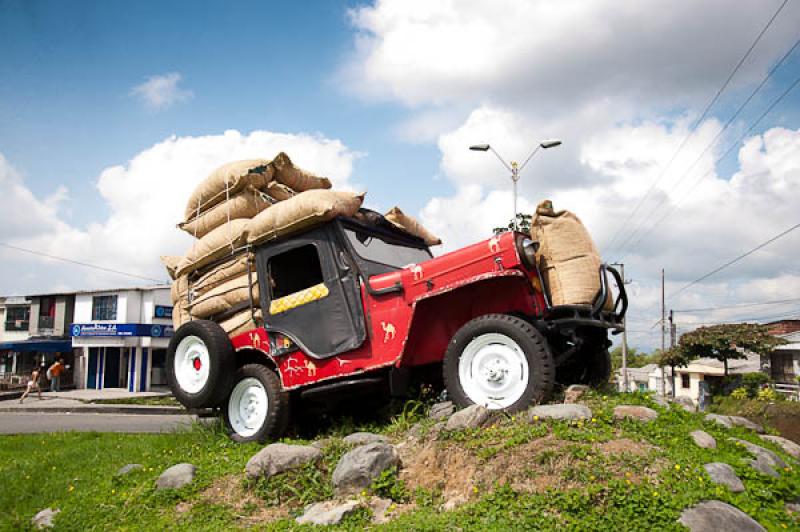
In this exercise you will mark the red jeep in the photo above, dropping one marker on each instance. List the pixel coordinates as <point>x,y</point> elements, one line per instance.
<point>357,302</point>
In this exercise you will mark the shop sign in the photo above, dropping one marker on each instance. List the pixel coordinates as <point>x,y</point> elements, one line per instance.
<point>121,329</point>
<point>163,311</point>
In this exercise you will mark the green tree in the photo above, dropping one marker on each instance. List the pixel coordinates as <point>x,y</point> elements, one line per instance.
<point>729,341</point>
<point>523,224</point>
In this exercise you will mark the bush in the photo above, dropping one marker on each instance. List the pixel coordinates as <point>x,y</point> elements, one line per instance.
<point>740,393</point>
<point>753,382</point>
<point>767,394</point>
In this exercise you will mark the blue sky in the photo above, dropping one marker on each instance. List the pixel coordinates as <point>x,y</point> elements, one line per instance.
<point>387,95</point>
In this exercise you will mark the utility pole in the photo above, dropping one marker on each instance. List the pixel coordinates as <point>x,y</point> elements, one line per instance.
<point>624,335</point>
<point>663,334</point>
<point>673,330</point>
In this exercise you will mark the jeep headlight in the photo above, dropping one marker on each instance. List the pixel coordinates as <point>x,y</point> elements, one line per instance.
<point>527,251</point>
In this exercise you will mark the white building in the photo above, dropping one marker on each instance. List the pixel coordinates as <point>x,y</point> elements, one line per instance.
<point>123,335</point>
<point>645,379</point>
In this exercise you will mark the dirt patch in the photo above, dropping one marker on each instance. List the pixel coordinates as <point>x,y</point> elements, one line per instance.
<point>231,492</point>
<point>624,445</point>
<point>439,466</point>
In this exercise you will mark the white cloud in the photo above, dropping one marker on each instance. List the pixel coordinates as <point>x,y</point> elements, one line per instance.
<point>146,198</point>
<point>161,92</point>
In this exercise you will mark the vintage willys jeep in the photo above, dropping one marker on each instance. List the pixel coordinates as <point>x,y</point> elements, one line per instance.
<point>358,302</point>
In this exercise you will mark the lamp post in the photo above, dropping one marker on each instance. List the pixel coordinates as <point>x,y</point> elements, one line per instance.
<point>516,168</point>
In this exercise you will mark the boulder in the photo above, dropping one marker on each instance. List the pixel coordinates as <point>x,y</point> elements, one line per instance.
<point>277,458</point>
<point>44,519</point>
<point>764,455</point>
<point>380,509</point>
<point>686,403</point>
<point>740,421</point>
<point>575,392</point>
<point>358,468</point>
<point>124,470</point>
<point>176,477</point>
<point>327,513</point>
<point>363,438</point>
<point>471,417</point>
<point>559,411</point>
<point>703,439</point>
<point>789,447</point>
<point>724,474</point>
<point>441,411</point>
<point>641,413</point>
<point>764,468</point>
<point>792,507</point>
<point>720,420</point>
<point>712,516</point>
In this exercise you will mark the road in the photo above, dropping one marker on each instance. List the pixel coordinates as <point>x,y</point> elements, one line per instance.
<point>24,423</point>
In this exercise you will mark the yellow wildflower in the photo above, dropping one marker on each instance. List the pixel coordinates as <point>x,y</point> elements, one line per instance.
<point>474,489</point>
<point>536,418</point>
<point>677,467</point>
<point>655,494</point>
<point>71,488</point>
<point>594,420</point>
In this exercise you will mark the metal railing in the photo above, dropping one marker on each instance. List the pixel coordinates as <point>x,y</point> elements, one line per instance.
<point>791,391</point>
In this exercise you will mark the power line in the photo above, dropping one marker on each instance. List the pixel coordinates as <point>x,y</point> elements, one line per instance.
<point>733,146</point>
<point>787,315</point>
<point>79,263</point>
<point>739,305</point>
<point>699,121</point>
<point>713,142</point>
<point>737,259</point>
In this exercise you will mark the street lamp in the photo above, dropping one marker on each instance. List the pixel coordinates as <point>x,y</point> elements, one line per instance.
<point>515,168</point>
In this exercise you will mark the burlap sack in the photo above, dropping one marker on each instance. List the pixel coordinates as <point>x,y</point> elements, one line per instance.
<point>180,314</point>
<point>300,212</point>
<point>233,176</point>
<point>241,322</point>
<point>567,256</point>
<point>245,204</point>
<point>410,225</point>
<point>224,297</point>
<point>279,191</point>
<point>215,245</point>
<point>171,263</point>
<point>179,290</point>
<point>296,178</point>
<point>223,273</point>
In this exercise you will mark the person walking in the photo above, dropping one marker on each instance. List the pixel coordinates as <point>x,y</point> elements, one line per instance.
<point>54,374</point>
<point>33,383</point>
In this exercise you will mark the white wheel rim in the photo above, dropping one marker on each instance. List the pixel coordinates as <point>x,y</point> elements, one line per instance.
<point>192,364</point>
<point>248,406</point>
<point>493,371</point>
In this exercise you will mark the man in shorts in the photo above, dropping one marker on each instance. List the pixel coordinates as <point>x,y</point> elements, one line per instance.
<point>33,384</point>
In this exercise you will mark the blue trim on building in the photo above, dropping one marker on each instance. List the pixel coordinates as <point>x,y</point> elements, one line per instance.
<point>143,376</point>
<point>132,369</point>
<point>101,369</point>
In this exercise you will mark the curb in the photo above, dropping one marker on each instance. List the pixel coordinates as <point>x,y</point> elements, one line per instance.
<point>132,410</point>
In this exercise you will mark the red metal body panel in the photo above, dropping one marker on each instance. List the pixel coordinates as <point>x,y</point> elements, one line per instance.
<point>414,326</point>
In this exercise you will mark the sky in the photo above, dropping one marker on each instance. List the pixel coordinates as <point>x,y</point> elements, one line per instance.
<point>111,112</point>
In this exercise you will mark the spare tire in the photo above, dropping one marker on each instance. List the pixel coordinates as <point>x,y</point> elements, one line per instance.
<point>200,364</point>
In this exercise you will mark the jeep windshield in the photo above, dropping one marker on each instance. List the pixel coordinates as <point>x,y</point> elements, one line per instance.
<point>384,249</point>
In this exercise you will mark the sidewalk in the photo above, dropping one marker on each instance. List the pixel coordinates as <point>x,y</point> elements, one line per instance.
<point>81,401</point>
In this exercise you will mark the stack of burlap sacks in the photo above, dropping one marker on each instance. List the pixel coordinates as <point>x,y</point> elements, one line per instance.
<point>567,257</point>
<point>242,204</point>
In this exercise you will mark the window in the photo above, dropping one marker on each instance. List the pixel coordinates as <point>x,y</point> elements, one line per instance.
<point>373,248</point>
<point>294,270</point>
<point>642,386</point>
<point>17,318</point>
<point>104,308</point>
<point>684,381</point>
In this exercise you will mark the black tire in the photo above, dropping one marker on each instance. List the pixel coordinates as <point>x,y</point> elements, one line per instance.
<point>541,369</point>
<point>274,423</point>
<point>591,365</point>
<point>221,365</point>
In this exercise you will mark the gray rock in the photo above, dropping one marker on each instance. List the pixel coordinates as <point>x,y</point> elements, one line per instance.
<point>764,455</point>
<point>363,438</point>
<point>575,392</point>
<point>441,411</point>
<point>720,420</point>
<point>176,477</point>
<point>124,470</point>
<point>792,507</point>
<point>789,447</point>
<point>724,474</point>
<point>44,519</point>
<point>380,510</point>
<point>703,439</point>
<point>764,468</point>
<point>686,403</point>
<point>641,413</point>
<point>660,400</point>
<point>277,458</point>
<point>471,417</point>
<point>712,516</point>
<point>455,502</point>
<point>740,421</point>
<point>327,513</point>
<point>559,411</point>
<point>358,468</point>
<point>320,444</point>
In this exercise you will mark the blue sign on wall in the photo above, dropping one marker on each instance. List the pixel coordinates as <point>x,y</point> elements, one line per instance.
<point>121,329</point>
<point>163,311</point>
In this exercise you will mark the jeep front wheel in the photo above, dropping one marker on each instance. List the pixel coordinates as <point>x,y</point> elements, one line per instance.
<point>257,408</point>
<point>499,361</point>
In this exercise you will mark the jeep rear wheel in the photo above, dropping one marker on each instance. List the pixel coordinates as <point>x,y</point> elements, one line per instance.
<point>257,409</point>
<point>501,362</point>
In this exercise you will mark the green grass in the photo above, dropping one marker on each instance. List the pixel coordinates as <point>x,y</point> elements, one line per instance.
<point>76,473</point>
<point>161,400</point>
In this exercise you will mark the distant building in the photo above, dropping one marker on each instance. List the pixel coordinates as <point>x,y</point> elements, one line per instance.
<point>783,364</point>
<point>122,336</point>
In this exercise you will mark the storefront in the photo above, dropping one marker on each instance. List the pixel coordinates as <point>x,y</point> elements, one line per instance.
<point>19,358</point>
<point>123,336</point>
